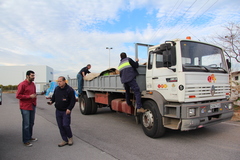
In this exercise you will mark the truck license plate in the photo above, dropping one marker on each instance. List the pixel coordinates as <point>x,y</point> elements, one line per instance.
<point>215,105</point>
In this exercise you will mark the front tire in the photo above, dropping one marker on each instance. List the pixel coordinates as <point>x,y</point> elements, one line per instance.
<point>152,120</point>
<point>85,104</point>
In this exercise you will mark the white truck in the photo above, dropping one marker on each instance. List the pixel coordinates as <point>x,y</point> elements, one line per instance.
<point>184,86</point>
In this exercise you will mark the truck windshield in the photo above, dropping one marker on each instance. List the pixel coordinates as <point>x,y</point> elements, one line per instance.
<point>201,57</point>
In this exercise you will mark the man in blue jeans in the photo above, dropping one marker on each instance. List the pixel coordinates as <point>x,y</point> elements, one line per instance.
<point>64,99</point>
<point>82,73</point>
<point>26,94</point>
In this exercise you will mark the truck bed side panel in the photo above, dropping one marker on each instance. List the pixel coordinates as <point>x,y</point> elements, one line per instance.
<point>112,83</point>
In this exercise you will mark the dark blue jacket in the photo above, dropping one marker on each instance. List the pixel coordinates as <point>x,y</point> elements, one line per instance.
<point>64,98</point>
<point>128,69</point>
<point>85,70</point>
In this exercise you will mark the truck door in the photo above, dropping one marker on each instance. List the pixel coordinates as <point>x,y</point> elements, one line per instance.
<point>149,83</point>
<point>160,74</point>
<point>138,50</point>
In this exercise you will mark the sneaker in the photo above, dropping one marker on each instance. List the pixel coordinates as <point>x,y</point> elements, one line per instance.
<point>141,110</point>
<point>33,139</point>
<point>70,141</point>
<point>28,144</point>
<point>63,143</point>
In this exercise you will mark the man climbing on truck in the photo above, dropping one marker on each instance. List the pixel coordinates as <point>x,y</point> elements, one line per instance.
<point>128,72</point>
<point>81,74</point>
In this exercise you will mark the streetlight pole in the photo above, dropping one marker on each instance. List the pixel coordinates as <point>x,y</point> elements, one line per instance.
<point>109,48</point>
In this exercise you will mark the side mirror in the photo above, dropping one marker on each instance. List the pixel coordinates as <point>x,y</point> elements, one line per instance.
<point>165,46</point>
<point>162,47</point>
<point>169,55</point>
<point>167,59</point>
<point>229,64</point>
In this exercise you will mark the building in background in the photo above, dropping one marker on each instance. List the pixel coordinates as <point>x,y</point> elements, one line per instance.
<point>236,77</point>
<point>13,75</point>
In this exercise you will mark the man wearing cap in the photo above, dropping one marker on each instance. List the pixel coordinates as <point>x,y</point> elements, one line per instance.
<point>128,73</point>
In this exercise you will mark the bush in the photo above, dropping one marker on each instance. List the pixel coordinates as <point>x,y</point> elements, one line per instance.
<point>8,88</point>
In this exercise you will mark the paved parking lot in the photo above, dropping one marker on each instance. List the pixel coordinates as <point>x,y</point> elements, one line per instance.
<point>11,147</point>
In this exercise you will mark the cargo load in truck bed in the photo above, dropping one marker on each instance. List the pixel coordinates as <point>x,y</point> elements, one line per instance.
<point>112,83</point>
<point>110,71</point>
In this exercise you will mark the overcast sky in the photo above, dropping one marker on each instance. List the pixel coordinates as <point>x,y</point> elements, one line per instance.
<point>68,34</point>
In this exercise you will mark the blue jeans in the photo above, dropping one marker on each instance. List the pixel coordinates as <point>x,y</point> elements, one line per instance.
<point>80,83</point>
<point>64,121</point>
<point>28,117</point>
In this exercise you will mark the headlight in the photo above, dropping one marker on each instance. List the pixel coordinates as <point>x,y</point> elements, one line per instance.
<point>192,112</point>
<point>230,106</point>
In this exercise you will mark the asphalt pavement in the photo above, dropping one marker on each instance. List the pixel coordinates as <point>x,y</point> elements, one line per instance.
<point>12,148</point>
<point>110,135</point>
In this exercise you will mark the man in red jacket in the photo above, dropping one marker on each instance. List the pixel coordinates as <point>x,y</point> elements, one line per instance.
<point>26,94</point>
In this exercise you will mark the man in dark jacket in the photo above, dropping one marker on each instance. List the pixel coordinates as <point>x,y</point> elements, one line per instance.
<point>65,100</point>
<point>128,73</point>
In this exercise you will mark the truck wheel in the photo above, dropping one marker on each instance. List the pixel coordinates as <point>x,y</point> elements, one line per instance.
<point>85,104</point>
<point>94,106</point>
<point>152,120</point>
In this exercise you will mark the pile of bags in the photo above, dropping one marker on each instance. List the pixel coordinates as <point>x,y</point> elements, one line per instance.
<point>110,71</point>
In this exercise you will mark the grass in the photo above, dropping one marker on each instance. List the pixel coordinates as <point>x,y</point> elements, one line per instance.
<point>236,108</point>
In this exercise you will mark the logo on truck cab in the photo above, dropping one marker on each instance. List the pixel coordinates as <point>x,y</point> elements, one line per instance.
<point>211,78</point>
<point>162,86</point>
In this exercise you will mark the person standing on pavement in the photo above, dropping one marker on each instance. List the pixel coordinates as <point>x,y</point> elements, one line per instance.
<point>26,93</point>
<point>64,99</point>
<point>82,73</point>
<point>128,73</point>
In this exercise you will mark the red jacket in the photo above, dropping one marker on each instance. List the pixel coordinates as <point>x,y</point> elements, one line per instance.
<point>25,89</point>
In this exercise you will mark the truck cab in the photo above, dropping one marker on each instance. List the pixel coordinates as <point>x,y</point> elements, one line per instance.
<point>189,82</point>
<point>192,67</point>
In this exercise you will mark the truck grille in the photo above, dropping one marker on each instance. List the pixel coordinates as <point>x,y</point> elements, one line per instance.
<point>204,92</point>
